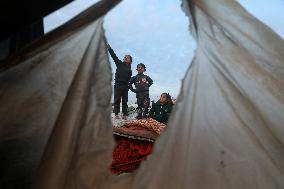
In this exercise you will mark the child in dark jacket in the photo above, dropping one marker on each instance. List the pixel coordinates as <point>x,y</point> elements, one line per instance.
<point>142,83</point>
<point>122,76</point>
<point>161,110</point>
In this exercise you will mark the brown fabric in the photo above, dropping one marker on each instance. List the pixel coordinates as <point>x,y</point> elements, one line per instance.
<point>141,129</point>
<point>148,123</point>
<point>226,130</point>
<point>135,132</point>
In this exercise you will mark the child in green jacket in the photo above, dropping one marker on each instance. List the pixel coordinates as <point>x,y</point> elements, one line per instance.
<point>161,110</point>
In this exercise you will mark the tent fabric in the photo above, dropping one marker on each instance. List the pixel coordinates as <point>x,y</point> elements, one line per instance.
<point>49,91</point>
<point>55,92</point>
<point>226,130</point>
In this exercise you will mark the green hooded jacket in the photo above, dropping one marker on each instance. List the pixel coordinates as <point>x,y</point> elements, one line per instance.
<point>161,112</point>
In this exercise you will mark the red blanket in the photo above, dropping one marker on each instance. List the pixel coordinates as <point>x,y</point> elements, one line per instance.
<point>128,154</point>
<point>134,141</point>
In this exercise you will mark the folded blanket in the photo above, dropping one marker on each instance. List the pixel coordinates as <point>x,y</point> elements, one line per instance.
<point>141,129</point>
<point>134,142</point>
<point>149,123</point>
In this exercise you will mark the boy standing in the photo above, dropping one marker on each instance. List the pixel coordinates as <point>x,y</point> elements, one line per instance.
<point>142,83</point>
<point>123,74</point>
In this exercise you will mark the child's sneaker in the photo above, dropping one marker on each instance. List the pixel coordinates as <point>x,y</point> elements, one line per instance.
<point>116,117</point>
<point>124,117</point>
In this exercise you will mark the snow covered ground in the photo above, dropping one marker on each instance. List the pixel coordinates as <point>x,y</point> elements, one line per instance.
<point>119,122</point>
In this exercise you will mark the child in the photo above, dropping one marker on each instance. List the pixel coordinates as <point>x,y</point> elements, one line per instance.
<point>142,83</point>
<point>122,76</point>
<point>161,110</point>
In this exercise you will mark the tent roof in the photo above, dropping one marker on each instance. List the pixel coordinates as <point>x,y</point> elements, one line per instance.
<point>17,14</point>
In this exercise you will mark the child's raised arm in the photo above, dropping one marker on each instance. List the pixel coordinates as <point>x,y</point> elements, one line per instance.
<point>113,55</point>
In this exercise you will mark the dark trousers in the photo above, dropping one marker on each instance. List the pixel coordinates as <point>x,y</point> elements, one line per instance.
<point>120,94</point>
<point>143,102</point>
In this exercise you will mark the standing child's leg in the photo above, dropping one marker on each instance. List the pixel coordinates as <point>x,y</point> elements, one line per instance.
<point>116,100</point>
<point>146,103</point>
<point>140,105</point>
<point>124,101</point>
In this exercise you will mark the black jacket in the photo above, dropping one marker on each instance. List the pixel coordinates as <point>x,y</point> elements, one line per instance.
<point>142,83</point>
<point>123,71</point>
